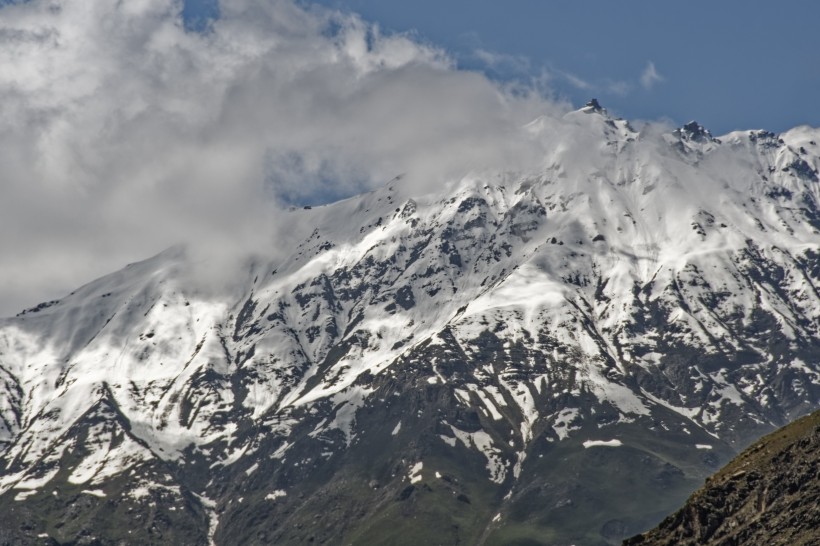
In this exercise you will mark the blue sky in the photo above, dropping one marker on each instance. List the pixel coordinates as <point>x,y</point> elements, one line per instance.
<point>735,64</point>
<point>730,65</point>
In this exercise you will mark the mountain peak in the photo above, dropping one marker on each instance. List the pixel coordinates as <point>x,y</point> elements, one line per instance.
<point>693,132</point>
<point>593,106</point>
<point>443,363</point>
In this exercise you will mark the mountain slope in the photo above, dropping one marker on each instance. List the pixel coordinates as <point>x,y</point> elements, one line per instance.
<point>767,495</point>
<point>550,357</point>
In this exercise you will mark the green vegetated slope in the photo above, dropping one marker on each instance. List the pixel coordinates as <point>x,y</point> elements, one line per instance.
<point>769,494</point>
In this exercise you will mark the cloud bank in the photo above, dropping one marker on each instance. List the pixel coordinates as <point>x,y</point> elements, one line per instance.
<point>121,133</point>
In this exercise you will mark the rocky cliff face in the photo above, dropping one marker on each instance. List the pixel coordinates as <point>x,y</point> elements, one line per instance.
<point>554,357</point>
<point>767,495</point>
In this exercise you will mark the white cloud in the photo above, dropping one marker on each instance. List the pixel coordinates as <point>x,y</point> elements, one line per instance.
<point>575,81</point>
<point>650,76</point>
<point>503,61</point>
<point>121,133</point>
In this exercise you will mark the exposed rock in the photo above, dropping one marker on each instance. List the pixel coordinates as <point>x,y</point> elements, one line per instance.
<point>770,494</point>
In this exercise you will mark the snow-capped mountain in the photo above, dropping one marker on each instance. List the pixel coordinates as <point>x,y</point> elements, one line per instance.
<point>553,357</point>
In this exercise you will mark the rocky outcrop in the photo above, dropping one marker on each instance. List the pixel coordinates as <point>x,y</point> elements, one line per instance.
<point>770,494</point>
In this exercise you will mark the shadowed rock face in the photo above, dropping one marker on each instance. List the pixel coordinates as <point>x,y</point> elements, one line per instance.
<point>770,494</point>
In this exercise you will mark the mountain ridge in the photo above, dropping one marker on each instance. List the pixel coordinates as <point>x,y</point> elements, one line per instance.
<point>645,305</point>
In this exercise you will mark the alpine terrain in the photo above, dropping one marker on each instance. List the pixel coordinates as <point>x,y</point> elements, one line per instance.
<point>768,495</point>
<point>552,357</point>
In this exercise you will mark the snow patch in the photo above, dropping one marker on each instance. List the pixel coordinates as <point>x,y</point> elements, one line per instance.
<point>277,494</point>
<point>447,440</point>
<point>348,403</point>
<point>415,472</point>
<point>213,517</point>
<point>482,441</point>
<point>23,495</point>
<point>564,422</point>
<point>94,492</point>
<point>602,443</point>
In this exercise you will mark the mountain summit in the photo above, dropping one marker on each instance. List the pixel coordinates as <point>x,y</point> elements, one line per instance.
<point>593,106</point>
<point>549,357</point>
<point>694,131</point>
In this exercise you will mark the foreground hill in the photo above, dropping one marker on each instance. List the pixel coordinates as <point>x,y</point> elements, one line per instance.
<point>523,358</point>
<point>770,494</point>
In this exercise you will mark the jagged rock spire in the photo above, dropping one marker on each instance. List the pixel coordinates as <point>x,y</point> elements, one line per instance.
<point>593,106</point>
<point>693,131</point>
